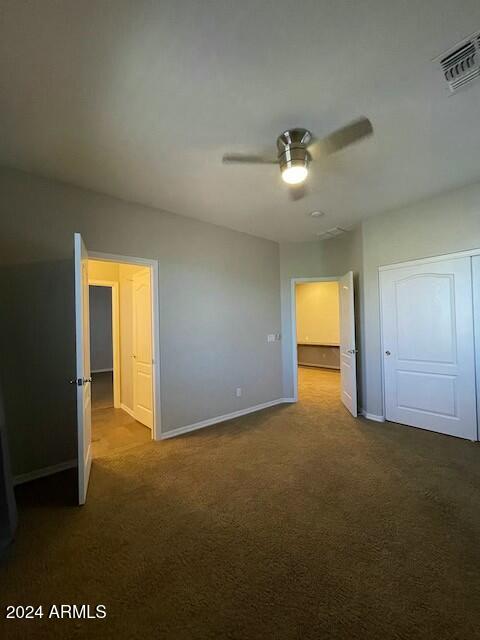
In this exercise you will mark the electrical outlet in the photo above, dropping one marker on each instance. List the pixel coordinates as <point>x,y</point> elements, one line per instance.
<point>238,392</point>
<point>271,337</point>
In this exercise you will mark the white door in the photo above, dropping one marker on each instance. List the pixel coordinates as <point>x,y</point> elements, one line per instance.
<point>142,349</point>
<point>476,315</point>
<point>428,348</point>
<point>83,380</point>
<point>348,350</point>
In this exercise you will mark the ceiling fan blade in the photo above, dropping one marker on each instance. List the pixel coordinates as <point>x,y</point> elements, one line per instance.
<point>297,192</point>
<point>241,158</point>
<point>341,138</point>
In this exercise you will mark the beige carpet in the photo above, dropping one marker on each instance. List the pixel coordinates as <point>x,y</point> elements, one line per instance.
<point>297,522</point>
<point>102,390</point>
<point>114,432</point>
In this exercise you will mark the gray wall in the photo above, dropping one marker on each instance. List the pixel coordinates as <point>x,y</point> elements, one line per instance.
<point>308,260</point>
<point>101,342</point>
<point>37,353</point>
<point>447,223</point>
<point>444,224</point>
<point>219,297</point>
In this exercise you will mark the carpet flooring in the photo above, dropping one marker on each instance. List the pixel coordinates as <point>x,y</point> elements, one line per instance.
<point>102,390</point>
<point>297,522</point>
<point>114,432</point>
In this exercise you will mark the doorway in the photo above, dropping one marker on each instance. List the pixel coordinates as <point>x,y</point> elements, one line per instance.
<point>104,339</point>
<point>117,355</point>
<point>120,309</point>
<point>323,336</point>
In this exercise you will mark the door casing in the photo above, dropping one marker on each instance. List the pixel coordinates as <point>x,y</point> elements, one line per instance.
<point>293,314</point>
<point>474,254</point>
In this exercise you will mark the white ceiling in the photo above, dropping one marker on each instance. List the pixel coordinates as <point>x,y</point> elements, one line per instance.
<point>140,99</point>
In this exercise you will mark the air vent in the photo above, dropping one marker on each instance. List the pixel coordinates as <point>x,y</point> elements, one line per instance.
<point>331,233</point>
<point>461,64</point>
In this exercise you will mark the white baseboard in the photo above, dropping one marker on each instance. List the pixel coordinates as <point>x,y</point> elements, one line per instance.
<point>228,416</point>
<point>100,370</point>
<point>289,400</point>
<point>45,471</point>
<point>372,416</point>
<point>127,410</point>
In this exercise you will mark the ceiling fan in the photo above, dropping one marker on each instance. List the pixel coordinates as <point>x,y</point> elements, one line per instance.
<point>296,148</point>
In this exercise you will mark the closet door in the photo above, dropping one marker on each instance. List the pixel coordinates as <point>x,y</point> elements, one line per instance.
<point>428,346</point>
<point>142,345</point>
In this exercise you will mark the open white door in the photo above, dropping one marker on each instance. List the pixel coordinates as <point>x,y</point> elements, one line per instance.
<point>83,380</point>
<point>142,348</point>
<point>348,350</point>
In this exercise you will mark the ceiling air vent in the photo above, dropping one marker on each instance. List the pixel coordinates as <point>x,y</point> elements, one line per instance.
<point>331,233</point>
<point>461,64</point>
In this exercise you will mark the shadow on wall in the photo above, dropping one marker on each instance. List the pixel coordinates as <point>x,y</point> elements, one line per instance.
<point>359,337</point>
<point>8,511</point>
<point>37,335</point>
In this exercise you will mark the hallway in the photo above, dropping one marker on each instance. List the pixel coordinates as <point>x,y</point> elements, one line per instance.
<point>113,430</point>
<point>102,390</point>
<point>319,385</point>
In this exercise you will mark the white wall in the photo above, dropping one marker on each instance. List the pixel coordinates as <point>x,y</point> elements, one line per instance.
<point>102,270</point>
<point>318,313</point>
<point>218,295</point>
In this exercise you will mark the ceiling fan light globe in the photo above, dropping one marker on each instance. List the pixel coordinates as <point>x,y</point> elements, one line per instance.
<point>295,174</point>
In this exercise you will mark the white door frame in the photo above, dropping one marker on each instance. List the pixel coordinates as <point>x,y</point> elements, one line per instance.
<point>428,259</point>
<point>293,313</point>
<point>153,266</point>
<point>476,329</point>
<point>113,285</point>
<point>138,410</point>
<point>471,253</point>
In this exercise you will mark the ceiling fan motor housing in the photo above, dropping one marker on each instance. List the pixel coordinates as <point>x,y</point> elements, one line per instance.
<point>292,148</point>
